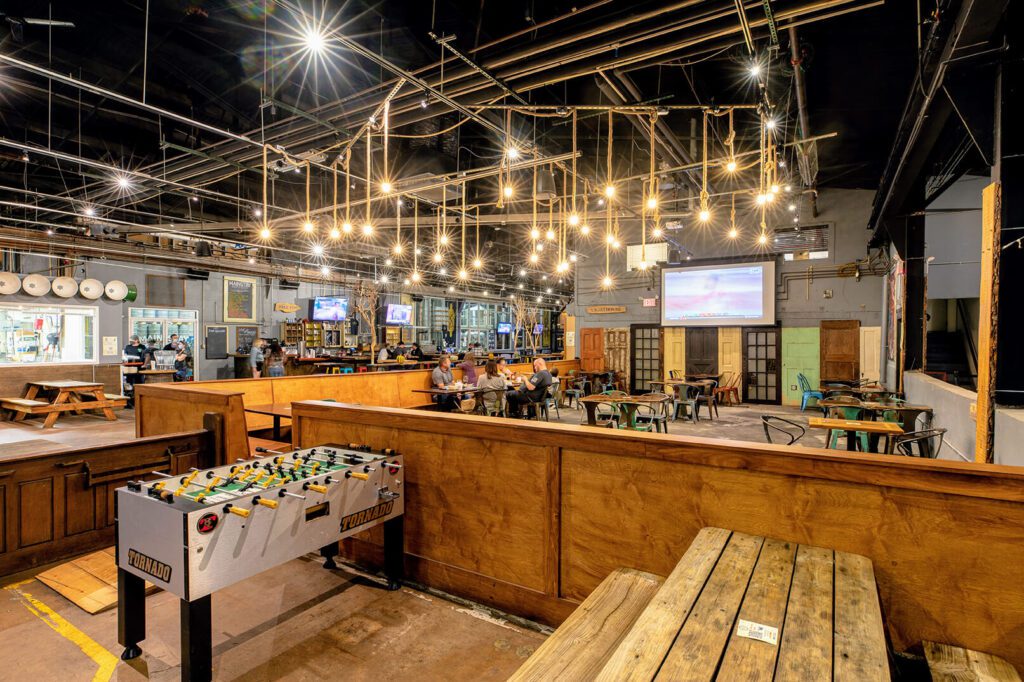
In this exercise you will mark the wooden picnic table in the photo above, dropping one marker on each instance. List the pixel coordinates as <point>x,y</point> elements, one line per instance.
<point>53,398</point>
<point>747,607</point>
<point>851,426</point>
<point>908,412</point>
<point>275,410</point>
<point>626,405</point>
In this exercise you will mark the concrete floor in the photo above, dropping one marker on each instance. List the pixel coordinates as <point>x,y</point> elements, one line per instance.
<point>294,622</point>
<point>70,431</point>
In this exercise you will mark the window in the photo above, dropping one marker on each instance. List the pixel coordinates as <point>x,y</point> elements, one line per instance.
<point>157,324</point>
<point>801,243</point>
<point>47,334</point>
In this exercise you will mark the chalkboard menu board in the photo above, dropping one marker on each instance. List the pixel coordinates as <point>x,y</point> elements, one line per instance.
<point>216,342</point>
<point>239,299</point>
<point>245,337</point>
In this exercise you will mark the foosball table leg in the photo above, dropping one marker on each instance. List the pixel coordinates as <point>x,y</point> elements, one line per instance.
<point>196,640</point>
<point>131,613</point>
<point>328,552</point>
<point>394,549</point>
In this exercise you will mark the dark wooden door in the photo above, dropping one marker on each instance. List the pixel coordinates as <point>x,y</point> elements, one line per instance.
<point>644,357</point>
<point>592,349</point>
<point>701,350</point>
<point>840,350</point>
<point>762,365</point>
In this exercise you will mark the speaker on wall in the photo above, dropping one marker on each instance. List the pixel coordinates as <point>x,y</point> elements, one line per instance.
<point>196,273</point>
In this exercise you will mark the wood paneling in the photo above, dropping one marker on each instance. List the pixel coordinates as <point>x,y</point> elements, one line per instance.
<point>944,537</point>
<point>674,339</point>
<point>53,506</point>
<point>702,350</point>
<point>616,350</point>
<point>840,350</point>
<point>591,340</point>
<point>730,352</point>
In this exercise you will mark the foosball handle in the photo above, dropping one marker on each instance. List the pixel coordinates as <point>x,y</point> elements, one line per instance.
<point>266,503</point>
<point>231,509</point>
<point>360,476</point>
<point>315,488</point>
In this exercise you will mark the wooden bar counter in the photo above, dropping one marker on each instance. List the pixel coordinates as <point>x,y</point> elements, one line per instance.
<point>530,516</point>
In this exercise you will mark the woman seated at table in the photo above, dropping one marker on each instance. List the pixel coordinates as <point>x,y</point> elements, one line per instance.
<point>503,369</point>
<point>468,367</point>
<point>491,380</point>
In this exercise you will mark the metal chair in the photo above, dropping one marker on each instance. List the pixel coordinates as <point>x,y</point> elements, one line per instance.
<point>729,389</point>
<point>782,426</point>
<point>577,389</point>
<point>644,418</point>
<point>606,414</point>
<point>707,396</point>
<point>851,408</point>
<point>498,409</point>
<point>923,438</point>
<point>552,399</point>
<point>615,394</point>
<point>805,386</point>
<point>675,374</point>
<point>689,402</point>
<point>659,412</point>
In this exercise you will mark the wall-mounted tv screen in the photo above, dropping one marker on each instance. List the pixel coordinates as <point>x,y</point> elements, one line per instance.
<point>504,327</point>
<point>399,314</point>
<point>538,328</point>
<point>329,309</point>
<point>718,295</point>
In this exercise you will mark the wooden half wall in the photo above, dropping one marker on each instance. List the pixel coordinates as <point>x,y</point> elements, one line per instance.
<point>530,517</point>
<point>173,407</point>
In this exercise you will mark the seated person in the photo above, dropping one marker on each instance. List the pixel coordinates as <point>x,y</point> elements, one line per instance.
<point>415,353</point>
<point>491,380</point>
<point>400,350</point>
<point>533,389</point>
<point>468,367</point>
<point>503,369</point>
<point>442,377</point>
<point>384,353</point>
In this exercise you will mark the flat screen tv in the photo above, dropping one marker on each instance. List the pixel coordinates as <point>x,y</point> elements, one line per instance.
<point>329,308</point>
<point>504,327</point>
<point>718,295</point>
<point>399,314</point>
<point>538,328</point>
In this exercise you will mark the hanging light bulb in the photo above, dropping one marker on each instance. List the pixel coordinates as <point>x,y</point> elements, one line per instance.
<point>762,199</point>
<point>308,226</point>
<point>763,239</point>
<point>791,207</point>
<point>438,257</point>
<point>477,263</point>
<point>540,247</point>
<point>397,249</point>
<point>609,191</point>
<point>405,281</point>
<point>616,244</point>
<point>383,279</point>
<point>704,215</point>
<point>442,271</point>
<point>550,235</point>
<point>443,239</point>
<point>451,287</point>
<point>335,233</point>
<point>463,274</point>
<point>574,219</point>
<point>770,124</point>
<point>512,153</point>
<point>324,270</point>
<point>507,191</point>
<point>346,228</point>
<point>572,257</point>
<point>318,250</point>
<point>534,257</point>
<point>388,262</point>
<point>643,265</point>
<point>367,229</point>
<point>265,233</point>
<point>609,238</point>
<point>774,189</point>
<point>535,233</point>
<point>385,187</point>
<point>606,282</point>
<point>584,229</point>
<point>769,197</point>
<point>257,212</point>
<point>652,203</point>
<point>416,277</point>
<point>787,188</point>
<point>522,272</point>
<point>656,232</point>
<point>755,69</point>
<point>733,233</point>
<point>731,166</point>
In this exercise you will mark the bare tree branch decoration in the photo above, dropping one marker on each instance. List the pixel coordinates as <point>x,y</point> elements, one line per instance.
<point>519,315</point>
<point>366,297</point>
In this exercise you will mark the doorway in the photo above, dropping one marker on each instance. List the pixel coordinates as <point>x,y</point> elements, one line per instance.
<point>762,368</point>
<point>701,350</point>
<point>645,358</point>
<point>840,350</point>
<point>591,349</point>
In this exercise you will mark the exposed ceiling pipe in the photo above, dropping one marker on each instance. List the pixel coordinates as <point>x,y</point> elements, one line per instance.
<point>808,171</point>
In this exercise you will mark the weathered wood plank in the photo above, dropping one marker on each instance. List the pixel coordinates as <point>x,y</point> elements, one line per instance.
<point>642,651</point>
<point>583,643</point>
<point>765,603</point>
<point>805,650</point>
<point>859,648</point>
<point>948,663</point>
<point>695,654</point>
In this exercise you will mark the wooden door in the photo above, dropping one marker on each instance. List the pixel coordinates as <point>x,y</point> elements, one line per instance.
<point>840,350</point>
<point>702,350</point>
<point>616,350</point>
<point>591,342</point>
<point>645,357</point>
<point>673,341</point>
<point>730,352</point>
<point>871,353</point>
<point>762,366</point>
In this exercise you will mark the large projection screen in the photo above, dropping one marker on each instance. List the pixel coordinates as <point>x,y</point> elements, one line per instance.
<point>718,295</point>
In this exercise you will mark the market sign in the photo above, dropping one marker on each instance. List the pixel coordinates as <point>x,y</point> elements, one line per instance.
<point>286,307</point>
<point>605,309</point>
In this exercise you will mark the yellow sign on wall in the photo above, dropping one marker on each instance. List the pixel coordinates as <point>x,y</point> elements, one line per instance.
<point>605,309</point>
<point>285,307</point>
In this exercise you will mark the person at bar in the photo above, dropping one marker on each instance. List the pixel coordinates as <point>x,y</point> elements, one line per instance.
<point>256,357</point>
<point>468,367</point>
<point>532,390</point>
<point>442,377</point>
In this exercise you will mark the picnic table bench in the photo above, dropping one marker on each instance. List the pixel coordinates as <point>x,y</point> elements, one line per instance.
<point>736,606</point>
<point>65,396</point>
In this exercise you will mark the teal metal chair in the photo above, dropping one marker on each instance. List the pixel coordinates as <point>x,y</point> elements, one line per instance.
<point>805,386</point>
<point>852,410</point>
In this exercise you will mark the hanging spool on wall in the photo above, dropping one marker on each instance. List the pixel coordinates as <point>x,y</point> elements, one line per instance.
<point>36,285</point>
<point>10,283</point>
<point>91,289</point>
<point>65,287</point>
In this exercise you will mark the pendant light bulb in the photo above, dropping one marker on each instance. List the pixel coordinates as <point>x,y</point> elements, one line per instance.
<point>574,219</point>
<point>265,233</point>
<point>346,228</point>
<point>652,203</point>
<point>308,226</point>
<point>335,233</point>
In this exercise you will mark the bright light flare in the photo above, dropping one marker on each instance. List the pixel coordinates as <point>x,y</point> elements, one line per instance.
<point>385,187</point>
<point>534,257</point>
<point>609,191</point>
<point>585,229</point>
<point>318,250</point>
<point>508,191</point>
<point>477,263</point>
<point>346,228</point>
<point>438,257</point>
<point>704,215</point>
<point>265,233</point>
<point>733,233</point>
<point>731,166</point>
<point>335,233</point>
<point>308,226</point>
<point>574,219</point>
<point>512,153</point>
<point>367,229</point>
<point>652,203</point>
<point>607,282</point>
<point>463,274</point>
<point>550,235</point>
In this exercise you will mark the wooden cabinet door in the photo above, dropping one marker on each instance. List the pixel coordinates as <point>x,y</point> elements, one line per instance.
<point>616,350</point>
<point>591,340</point>
<point>702,350</point>
<point>840,350</point>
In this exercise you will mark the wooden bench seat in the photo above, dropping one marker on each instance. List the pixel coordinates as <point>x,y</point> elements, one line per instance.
<point>949,663</point>
<point>21,404</point>
<point>582,644</point>
<point>115,396</point>
<point>740,606</point>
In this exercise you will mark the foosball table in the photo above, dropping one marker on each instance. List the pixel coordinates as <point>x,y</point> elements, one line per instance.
<point>192,535</point>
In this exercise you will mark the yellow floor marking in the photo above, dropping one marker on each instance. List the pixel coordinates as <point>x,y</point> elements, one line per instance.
<point>106,660</point>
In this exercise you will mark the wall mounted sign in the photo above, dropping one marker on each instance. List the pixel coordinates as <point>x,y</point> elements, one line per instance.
<point>287,308</point>
<point>605,309</point>
<point>245,337</point>
<point>216,341</point>
<point>650,302</point>
<point>239,299</point>
<point>110,346</point>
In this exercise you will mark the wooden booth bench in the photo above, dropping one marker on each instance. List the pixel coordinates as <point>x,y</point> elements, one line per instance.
<point>168,408</point>
<point>531,517</point>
